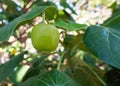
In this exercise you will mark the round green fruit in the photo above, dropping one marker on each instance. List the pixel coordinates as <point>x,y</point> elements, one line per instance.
<point>45,37</point>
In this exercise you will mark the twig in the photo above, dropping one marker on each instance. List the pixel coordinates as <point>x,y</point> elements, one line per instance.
<point>60,61</point>
<point>27,6</point>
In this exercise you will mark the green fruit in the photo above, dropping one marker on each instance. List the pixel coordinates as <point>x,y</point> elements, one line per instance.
<point>45,37</point>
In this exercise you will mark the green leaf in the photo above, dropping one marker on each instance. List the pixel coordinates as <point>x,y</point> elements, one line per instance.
<point>115,7</point>
<point>65,16</point>
<point>69,26</point>
<point>104,43</point>
<point>17,75</point>
<point>113,21</point>
<point>7,31</point>
<point>51,13</point>
<point>35,69</point>
<point>7,68</point>
<point>38,3</point>
<point>51,78</point>
<point>66,5</point>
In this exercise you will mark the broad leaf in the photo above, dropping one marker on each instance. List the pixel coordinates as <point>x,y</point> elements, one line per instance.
<point>52,78</point>
<point>104,43</point>
<point>113,21</point>
<point>8,67</point>
<point>69,26</point>
<point>6,31</point>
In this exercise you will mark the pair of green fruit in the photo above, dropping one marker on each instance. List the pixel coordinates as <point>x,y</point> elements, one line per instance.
<point>45,37</point>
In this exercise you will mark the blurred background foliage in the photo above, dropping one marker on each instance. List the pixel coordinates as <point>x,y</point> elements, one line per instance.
<point>77,60</point>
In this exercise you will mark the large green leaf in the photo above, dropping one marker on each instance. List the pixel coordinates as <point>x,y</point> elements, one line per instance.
<point>69,26</point>
<point>104,43</point>
<point>8,67</point>
<point>52,78</point>
<point>6,31</point>
<point>113,21</point>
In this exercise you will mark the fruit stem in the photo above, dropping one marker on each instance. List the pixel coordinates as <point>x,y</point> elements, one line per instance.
<point>44,19</point>
<point>60,61</point>
<point>43,16</point>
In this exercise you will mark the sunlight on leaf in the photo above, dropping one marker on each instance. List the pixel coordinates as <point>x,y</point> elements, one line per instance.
<point>69,26</point>
<point>8,67</point>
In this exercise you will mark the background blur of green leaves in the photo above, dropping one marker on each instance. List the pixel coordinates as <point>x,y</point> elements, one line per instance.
<point>88,51</point>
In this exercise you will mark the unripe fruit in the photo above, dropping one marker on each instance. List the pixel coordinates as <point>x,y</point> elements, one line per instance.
<point>45,37</point>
